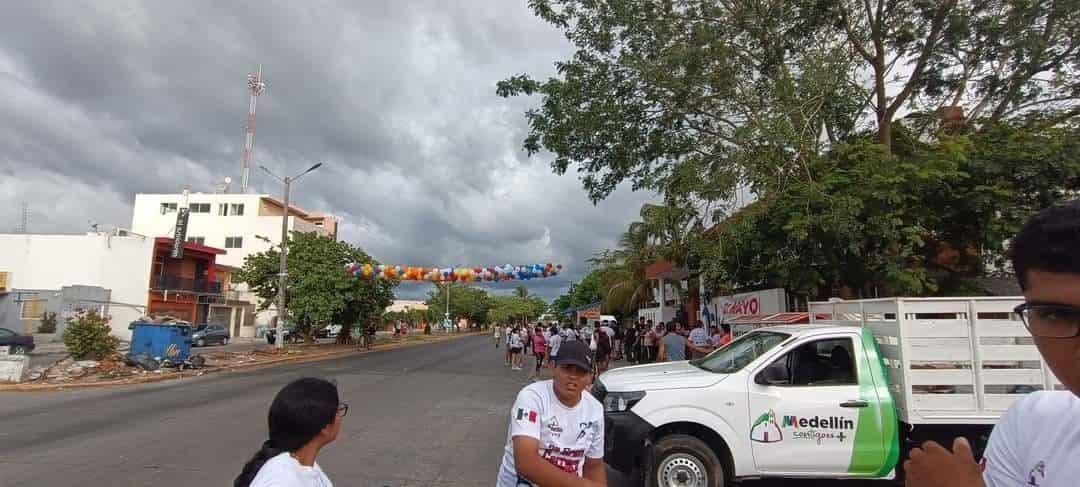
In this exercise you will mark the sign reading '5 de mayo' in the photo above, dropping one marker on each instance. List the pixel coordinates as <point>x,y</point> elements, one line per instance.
<point>768,301</point>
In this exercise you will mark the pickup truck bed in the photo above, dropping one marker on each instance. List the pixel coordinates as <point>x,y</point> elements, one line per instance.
<point>949,360</point>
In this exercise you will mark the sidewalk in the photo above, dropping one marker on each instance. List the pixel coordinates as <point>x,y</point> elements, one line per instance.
<point>46,343</point>
<point>115,370</point>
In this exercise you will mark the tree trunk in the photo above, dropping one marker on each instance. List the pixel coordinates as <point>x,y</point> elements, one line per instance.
<point>885,134</point>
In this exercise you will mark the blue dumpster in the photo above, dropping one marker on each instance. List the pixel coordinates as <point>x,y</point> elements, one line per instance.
<point>162,341</point>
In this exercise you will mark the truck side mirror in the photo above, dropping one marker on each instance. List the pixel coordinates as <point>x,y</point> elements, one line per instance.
<point>775,374</point>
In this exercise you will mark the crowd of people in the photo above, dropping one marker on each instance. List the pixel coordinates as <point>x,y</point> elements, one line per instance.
<point>640,343</point>
<point>672,341</point>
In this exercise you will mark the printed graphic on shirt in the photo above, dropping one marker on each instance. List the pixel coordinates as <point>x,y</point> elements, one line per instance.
<point>568,460</point>
<point>553,427</point>
<point>1037,474</point>
<point>526,415</point>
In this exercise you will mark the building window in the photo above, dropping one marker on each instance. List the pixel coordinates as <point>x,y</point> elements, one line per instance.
<point>31,308</point>
<point>234,209</point>
<point>200,207</point>
<point>168,208</point>
<point>318,224</point>
<point>234,242</point>
<point>197,240</point>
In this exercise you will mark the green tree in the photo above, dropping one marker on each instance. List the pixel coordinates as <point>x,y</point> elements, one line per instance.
<point>319,290</point>
<point>561,304</point>
<point>516,309</point>
<point>923,221</point>
<point>589,290</point>
<point>466,301</point>
<point>696,100</point>
<point>521,291</point>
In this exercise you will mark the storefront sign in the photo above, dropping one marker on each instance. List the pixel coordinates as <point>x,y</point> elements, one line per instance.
<point>180,233</point>
<point>768,301</point>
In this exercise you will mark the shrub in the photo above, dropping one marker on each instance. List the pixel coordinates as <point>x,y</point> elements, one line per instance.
<point>48,323</point>
<point>88,336</point>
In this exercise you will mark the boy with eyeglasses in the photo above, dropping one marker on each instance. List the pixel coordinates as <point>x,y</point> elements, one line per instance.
<point>1037,441</point>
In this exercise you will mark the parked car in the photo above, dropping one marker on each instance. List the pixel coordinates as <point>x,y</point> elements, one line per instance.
<point>209,333</point>
<point>328,331</point>
<point>291,336</point>
<point>17,343</point>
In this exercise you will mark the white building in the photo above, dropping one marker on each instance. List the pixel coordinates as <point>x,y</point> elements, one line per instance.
<point>120,264</point>
<point>406,305</point>
<point>137,273</point>
<point>242,224</point>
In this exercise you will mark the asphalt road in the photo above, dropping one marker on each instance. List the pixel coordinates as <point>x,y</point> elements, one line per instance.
<point>429,415</point>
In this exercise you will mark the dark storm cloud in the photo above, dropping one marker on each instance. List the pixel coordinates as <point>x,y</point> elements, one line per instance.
<point>101,100</point>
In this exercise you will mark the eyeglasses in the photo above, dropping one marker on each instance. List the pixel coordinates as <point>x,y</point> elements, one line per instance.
<point>343,410</point>
<point>1050,320</point>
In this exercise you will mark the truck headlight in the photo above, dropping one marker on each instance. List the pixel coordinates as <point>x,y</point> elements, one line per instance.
<point>619,402</point>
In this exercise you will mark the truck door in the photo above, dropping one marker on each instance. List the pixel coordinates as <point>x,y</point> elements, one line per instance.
<point>808,412</point>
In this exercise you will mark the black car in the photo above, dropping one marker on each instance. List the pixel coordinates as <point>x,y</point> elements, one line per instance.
<point>207,334</point>
<point>17,344</point>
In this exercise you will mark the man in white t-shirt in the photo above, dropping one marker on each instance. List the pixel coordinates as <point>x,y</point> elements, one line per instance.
<point>699,338</point>
<point>517,346</point>
<point>554,343</point>
<point>569,333</point>
<point>556,434</point>
<point>1037,441</point>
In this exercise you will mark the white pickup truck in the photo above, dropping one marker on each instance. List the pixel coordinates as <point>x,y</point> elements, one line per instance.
<point>845,396</point>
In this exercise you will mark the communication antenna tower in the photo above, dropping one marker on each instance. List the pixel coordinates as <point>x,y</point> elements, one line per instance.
<point>256,86</point>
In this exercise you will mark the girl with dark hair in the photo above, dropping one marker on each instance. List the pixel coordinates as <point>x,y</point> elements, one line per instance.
<point>304,417</point>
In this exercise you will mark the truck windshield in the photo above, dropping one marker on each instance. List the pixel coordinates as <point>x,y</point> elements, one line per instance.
<point>740,352</point>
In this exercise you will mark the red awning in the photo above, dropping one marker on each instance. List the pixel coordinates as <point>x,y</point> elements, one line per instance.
<point>771,319</point>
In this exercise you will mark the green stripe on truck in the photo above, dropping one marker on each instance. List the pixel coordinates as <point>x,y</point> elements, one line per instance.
<point>876,432</point>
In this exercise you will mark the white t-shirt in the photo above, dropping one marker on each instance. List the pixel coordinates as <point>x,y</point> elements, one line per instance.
<point>1036,443</point>
<point>699,337</point>
<point>609,330</point>
<point>553,343</point>
<point>566,435</point>
<point>515,340</point>
<point>284,471</point>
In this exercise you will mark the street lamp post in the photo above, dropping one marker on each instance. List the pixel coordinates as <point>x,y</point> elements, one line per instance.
<point>279,330</point>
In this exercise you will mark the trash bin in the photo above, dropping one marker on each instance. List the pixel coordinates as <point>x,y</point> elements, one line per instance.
<point>163,341</point>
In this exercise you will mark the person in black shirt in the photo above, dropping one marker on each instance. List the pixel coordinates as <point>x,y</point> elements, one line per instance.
<point>629,344</point>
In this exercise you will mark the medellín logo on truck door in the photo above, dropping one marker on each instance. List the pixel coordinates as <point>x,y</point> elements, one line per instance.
<point>766,430</point>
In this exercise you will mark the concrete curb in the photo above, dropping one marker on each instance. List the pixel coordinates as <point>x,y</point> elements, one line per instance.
<point>255,365</point>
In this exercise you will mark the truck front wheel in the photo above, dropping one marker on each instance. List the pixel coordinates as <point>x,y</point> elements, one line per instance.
<point>684,461</point>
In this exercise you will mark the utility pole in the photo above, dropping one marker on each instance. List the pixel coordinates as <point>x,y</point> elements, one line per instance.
<point>283,270</point>
<point>446,323</point>
<point>279,331</point>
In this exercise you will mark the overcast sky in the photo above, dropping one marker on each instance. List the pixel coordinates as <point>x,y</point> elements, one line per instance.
<point>423,162</point>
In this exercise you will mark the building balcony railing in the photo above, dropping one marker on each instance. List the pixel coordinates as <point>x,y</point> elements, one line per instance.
<point>177,283</point>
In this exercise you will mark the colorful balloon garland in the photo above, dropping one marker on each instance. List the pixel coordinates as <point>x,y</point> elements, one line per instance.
<point>461,274</point>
